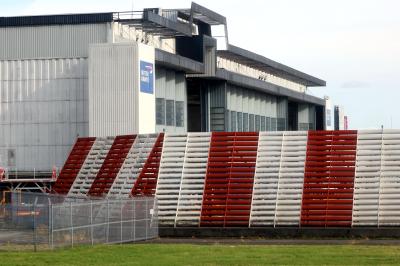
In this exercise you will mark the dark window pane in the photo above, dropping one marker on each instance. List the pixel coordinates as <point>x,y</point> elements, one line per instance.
<point>160,111</point>
<point>240,121</point>
<point>251,122</point>
<point>263,128</point>
<point>233,121</point>
<point>257,122</point>
<point>180,113</point>
<point>273,124</point>
<point>170,113</point>
<point>245,122</point>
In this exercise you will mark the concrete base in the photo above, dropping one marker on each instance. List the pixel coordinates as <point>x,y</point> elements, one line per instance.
<point>281,232</point>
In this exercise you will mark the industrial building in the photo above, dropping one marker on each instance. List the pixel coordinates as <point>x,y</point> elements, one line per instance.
<point>157,70</point>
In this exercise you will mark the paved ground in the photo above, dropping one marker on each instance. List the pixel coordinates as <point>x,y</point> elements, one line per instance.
<point>257,241</point>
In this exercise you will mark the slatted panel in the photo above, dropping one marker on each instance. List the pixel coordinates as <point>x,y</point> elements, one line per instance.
<point>229,179</point>
<point>132,166</point>
<point>111,165</point>
<point>146,183</point>
<point>192,182</point>
<point>169,177</point>
<point>367,178</point>
<point>291,176</point>
<point>329,178</point>
<point>91,167</point>
<point>389,193</point>
<point>73,165</point>
<point>266,179</point>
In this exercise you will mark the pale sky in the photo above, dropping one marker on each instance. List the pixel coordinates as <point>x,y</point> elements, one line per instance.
<point>352,44</point>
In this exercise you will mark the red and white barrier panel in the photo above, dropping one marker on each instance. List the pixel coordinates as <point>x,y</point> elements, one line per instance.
<point>221,179</point>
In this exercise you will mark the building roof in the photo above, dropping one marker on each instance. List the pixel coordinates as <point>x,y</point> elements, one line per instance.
<point>56,19</point>
<point>262,63</point>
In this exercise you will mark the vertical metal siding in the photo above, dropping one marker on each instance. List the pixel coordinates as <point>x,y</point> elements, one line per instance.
<point>113,92</point>
<point>42,110</point>
<point>57,41</point>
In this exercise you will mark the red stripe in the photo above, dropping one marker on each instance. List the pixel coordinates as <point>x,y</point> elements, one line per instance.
<point>329,178</point>
<point>146,182</point>
<point>73,165</point>
<point>229,180</point>
<point>111,165</point>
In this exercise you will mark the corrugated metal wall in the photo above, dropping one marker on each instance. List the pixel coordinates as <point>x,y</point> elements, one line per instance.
<point>113,92</point>
<point>171,103</point>
<point>56,41</point>
<point>249,110</point>
<point>43,108</point>
<point>217,106</point>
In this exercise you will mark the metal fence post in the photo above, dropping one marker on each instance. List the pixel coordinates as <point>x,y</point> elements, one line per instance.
<point>120,202</point>
<point>91,222</point>
<point>108,222</point>
<point>34,226</point>
<point>52,227</point>
<point>134,219</point>
<point>72,225</point>
<point>147,215</point>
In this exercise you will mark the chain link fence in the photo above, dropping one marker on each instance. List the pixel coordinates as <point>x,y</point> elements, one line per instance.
<point>34,220</point>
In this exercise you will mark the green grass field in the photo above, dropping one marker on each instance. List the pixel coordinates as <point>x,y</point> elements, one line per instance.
<point>187,254</point>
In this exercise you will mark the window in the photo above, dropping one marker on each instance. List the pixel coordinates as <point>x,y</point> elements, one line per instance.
<point>273,124</point>
<point>268,126</point>
<point>281,124</point>
<point>251,122</point>
<point>160,111</point>
<point>239,121</point>
<point>180,113</point>
<point>245,122</point>
<point>169,107</point>
<point>233,121</point>
<point>257,123</point>
<point>263,128</point>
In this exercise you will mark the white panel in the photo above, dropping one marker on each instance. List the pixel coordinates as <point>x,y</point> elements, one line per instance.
<point>169,176</point>
<point>367,176</point>
<point>291,178</point>
<point>193,178</point>
<point>146,100</point>
<point>389,190</point>
<point>266,177</point>
<point>113,89</point>
<point>278,181</point>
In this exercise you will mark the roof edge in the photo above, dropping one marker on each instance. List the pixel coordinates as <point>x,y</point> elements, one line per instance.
<point>309,80</point>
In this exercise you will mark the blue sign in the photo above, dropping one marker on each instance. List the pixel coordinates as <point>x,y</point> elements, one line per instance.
<point>146,77</point>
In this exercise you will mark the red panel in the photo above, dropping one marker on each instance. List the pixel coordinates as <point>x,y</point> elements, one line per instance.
<point>329,178</point>
<point>146,182</point>
<point>73,165</point>
<point>229,180</point>
<point>111,165</point>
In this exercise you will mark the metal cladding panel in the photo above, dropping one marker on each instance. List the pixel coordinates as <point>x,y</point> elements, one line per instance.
<point>193,178</point>
<point>55,41</point>
<point>278,181</point>
<point>113,89</point>
<point>229,180</point>
<point>329,178</point>
<point>170,176</point>
<point>43,108</point>
<point>376,188</point>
